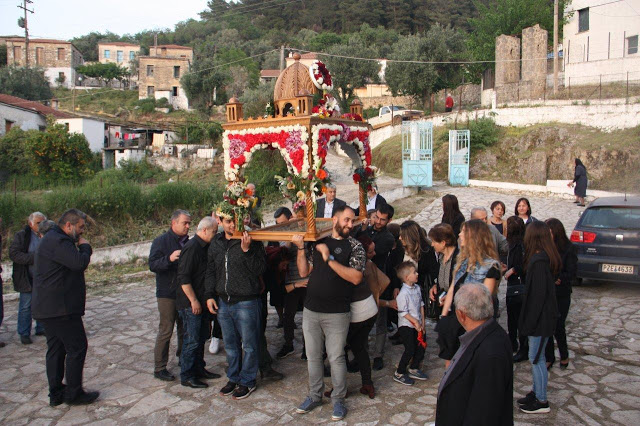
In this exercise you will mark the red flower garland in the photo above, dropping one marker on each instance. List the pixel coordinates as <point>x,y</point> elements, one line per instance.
<point>253,139</point>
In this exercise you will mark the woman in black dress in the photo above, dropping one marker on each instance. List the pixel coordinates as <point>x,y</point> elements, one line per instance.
<point>564,282</point>
<point>515,285</point>
<point>452,214</point>
<point>580,182</point>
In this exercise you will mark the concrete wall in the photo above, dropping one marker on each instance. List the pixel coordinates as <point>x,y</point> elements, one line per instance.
<point>605,116</point>
<point>26,120</point>
<point>93,130</point>
<point>129,155</point>
<point>53,73</point>
<point>602,49</point>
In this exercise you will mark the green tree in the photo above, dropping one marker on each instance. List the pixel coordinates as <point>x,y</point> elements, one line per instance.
<point>103,72</point>
<point>350,74</point>
<point>3,55</point>
<point>13,154</point>
<point>255,100</point>
<point>26,83</point>
<point>58,155</point>
<point>88,44</point>
<point>420,80</point>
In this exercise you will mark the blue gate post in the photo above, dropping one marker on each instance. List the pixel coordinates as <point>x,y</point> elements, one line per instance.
<point>417,153</point>
<point>459,146</point>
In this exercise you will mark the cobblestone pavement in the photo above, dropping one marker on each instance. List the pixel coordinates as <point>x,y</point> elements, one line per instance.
<point>601,385</point>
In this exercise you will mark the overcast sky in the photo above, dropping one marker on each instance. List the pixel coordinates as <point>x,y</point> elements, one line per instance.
<point>65,19</point>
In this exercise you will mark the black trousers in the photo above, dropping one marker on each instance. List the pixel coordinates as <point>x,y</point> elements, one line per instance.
<point>520,343</point>
<point>291,302</point>
<point>66,348</point>
<point>412,350</point>
<point>358,341</point>
<point>265,360</point>
<point>561,333</point>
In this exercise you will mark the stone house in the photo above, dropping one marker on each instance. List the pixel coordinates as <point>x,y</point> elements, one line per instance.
<point>601,42</point>
<point>118,52</point>
<point>59,58</point>
<point>159,74</point>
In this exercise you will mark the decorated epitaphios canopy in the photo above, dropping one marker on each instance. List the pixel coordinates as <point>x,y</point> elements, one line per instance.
<point>302,133</point>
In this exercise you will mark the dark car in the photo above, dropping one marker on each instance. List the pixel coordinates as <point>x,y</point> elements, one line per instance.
<point>607,237</point>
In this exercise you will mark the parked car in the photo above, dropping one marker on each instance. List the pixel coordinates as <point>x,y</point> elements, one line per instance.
<point>607,237</point>
<point>394,114</point>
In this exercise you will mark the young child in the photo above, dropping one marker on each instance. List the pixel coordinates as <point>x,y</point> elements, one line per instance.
<point>410,322</point>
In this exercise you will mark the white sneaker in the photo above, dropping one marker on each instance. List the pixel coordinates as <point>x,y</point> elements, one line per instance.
<point>214,346</point>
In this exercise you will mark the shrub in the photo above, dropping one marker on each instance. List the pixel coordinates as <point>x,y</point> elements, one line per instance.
<point>261,170</point>
<point>197,199</point>
<point>14,213</point>
<point>146,106</point>
<point>484,133</point>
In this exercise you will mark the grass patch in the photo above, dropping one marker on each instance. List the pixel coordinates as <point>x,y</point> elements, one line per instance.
<point>388,156</point>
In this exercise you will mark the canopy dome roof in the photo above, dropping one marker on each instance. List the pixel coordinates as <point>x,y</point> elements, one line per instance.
<point>294,81</point>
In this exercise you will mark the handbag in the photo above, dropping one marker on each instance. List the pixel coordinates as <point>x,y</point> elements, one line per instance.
<point>432,307</point>
<point>516,290</point>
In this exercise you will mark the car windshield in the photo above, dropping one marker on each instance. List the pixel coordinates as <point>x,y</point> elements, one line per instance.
<point>612,218</point>
<point>397,108</point>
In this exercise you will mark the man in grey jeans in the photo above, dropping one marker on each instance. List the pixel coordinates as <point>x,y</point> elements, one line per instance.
<point>337,264</point>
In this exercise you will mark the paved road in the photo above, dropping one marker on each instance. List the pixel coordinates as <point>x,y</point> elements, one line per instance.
<point>601,386</point>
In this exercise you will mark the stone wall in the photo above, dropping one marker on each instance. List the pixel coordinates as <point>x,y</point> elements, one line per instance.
<point>44,53</point>
<point>375,102</point>
<point>507,60</point>
<point>534,60</point>
<point>163,78</point>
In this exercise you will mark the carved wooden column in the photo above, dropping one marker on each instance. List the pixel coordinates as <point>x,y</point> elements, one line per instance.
<point>363,202</point>
<point>311,217</point>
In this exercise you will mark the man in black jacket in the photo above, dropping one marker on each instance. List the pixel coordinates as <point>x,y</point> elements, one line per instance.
<point>59,296</point>
<point>233,274</point>
<point>190,303</point>
<point>22,251</point>
<point>477,388</point>
<point>163,260</point>
<point>327,206</point>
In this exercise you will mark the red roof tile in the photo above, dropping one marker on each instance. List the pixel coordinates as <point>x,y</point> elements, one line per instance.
<point>171,46</point>
<point>33,106</point>
<point>269,73</point>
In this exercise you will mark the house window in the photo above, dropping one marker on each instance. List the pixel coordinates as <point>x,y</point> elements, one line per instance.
<point>151,90</point>
<point>39,55</point>
<point>17,53</point>
<point>132,55</point>
<point>7,125</point>
<point>61,53</point>
<point>61,76</point>
<point>119,56</point>
<point>632,45</point>
<point>583,20</point>
<point>67,126</point>
<point>176,72</point>
<point>107,54</point>
<point>174,91</point>
<point>149,70</point>
<point>163,51</point>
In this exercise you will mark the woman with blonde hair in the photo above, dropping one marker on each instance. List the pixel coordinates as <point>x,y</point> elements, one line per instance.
<point>417,249</point>
<point>477,263</point>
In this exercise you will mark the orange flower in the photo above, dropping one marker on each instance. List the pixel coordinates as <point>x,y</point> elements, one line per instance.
<point>321,174</point>
<point>249,192</point>
<point>324,189</point>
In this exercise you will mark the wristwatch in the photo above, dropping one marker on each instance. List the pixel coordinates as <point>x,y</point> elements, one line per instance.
<point>331,257</point>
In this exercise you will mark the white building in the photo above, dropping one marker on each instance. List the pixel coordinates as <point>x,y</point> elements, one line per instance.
<point>92,129</point>
<point>601,42</point>
<point>27,115</point>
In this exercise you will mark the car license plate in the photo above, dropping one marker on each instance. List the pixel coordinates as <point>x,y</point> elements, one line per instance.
<point>617,269</point>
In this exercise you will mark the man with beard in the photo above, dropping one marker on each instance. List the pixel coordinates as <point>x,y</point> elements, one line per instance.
<point>337,265</point>
<point>58,301</point>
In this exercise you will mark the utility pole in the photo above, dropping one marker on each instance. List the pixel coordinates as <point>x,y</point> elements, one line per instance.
<point>281,58</point>
<point>25,24</point>
<point>555,47</point>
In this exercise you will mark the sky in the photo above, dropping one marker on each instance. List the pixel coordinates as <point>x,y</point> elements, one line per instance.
<point>66,19</point>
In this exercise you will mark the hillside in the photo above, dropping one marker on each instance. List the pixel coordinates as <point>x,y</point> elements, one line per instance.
<point>534,154</point>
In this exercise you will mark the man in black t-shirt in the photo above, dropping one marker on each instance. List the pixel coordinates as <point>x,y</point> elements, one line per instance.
<point>337,264</point>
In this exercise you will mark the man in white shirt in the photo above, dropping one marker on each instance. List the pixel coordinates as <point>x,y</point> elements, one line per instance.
<point>327,205</point>
<point>374,199</point>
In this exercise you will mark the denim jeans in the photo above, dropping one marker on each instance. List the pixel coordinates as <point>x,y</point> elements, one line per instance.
<point>196,333</point>
<point>539,369</point>
<point>240,323</point>
<point>24,316</point>
<point>328,331</point>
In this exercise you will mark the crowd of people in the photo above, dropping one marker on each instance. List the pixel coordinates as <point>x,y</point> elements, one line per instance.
<point>369,279</point>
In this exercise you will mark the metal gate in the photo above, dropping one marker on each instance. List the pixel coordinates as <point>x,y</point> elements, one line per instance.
<point>417,153</point>
<point>459,157</point>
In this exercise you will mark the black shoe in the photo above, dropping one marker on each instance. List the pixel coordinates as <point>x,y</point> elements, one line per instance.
<point>353,367</point>
<point>39,333</point>
<point>242,392</point>
<point>83,398</point>
<point>378,364</point>
<point>280,324</point>
<point>228,389</point>
<point>56,400</point>
<point>550,365</point>
<point>194,383</point>
<point>535,407</point>
<point>303,356</point>
<point>164,375</point>
<point>285,351</point>
<point>528,399</point>
<point>2,344</point>
<point>206,374</point>
<point>271,374</point>
<point>564,366</point>
<point>26,340</point>
<point>520,356</point>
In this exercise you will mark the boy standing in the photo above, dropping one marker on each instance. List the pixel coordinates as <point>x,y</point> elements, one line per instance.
<point>411,321</point>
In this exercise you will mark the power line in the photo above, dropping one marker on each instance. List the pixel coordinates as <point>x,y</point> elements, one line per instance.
<point>233,13</point>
